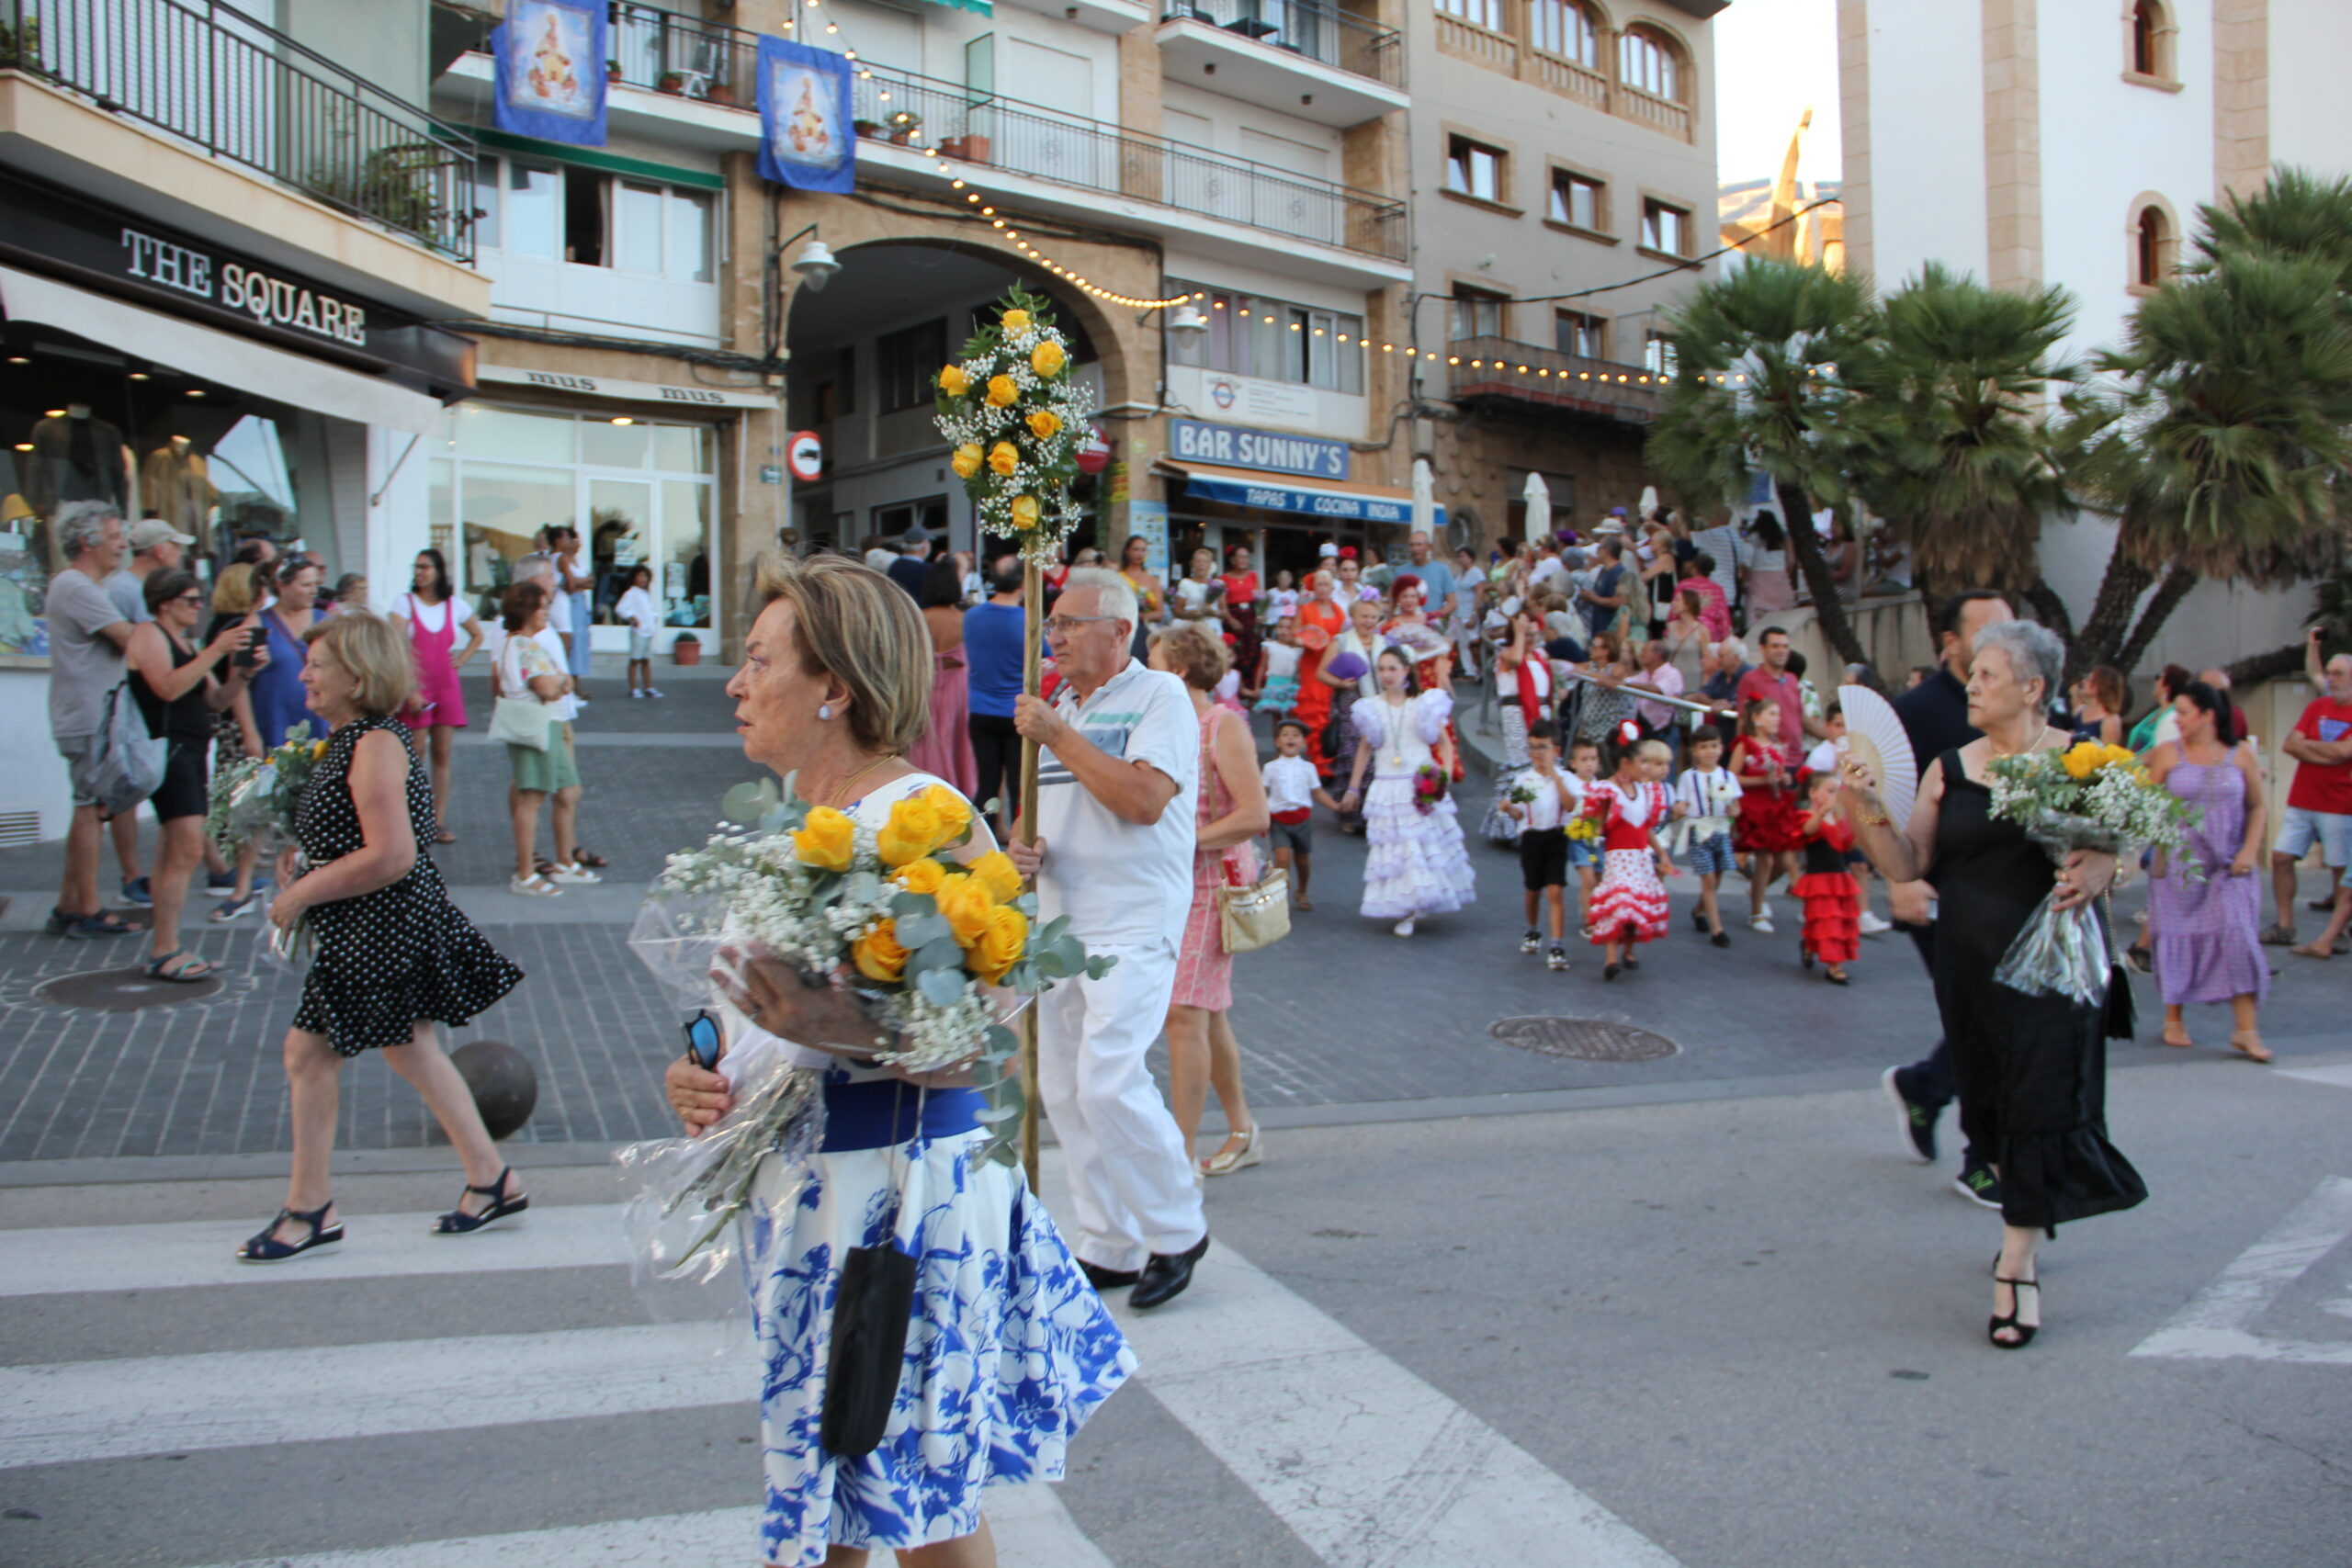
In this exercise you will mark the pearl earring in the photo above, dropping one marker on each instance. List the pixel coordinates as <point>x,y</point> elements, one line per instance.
<point>824,710</point>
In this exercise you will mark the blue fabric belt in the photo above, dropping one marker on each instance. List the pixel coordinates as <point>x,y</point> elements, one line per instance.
<point>877,1115</point>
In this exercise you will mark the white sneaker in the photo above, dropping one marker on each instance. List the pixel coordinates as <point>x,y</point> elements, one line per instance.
<point>633,693</point>
<point>1403,927</point>
<point>1766,910</point>
<point>573,875</point>
<point>533,888</point>
<point>1760,923</point>
<point>654,691</point>
<point>1871,925</point>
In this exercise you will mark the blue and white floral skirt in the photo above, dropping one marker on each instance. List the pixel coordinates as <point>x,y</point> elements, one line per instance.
<point>1008,1352</point>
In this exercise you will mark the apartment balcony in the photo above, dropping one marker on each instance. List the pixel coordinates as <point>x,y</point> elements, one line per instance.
<point>1497,371</point>
<point>1572,79</point>
<point>1341,69</point>
<point>693,84</point>
<point>214,80</point>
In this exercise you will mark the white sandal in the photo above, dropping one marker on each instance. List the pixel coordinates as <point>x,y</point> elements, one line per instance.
<point>533,888</point>
<point>1226,1161</point>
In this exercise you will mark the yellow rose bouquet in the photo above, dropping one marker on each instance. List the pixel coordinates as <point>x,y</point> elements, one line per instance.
<point>942,953</point>
<point>1016,415</point>
<point>2089,797</point>
<point>255,799</point>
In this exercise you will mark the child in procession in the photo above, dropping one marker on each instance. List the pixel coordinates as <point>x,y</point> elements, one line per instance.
<point>1631,804</point>
<point>1766,832</point>
<point>1294,790</point>
<point>1276,691</point>
<point>1709,795</point>
<point>1833,899</point>
<point>1542,804</point>
<point>1584,845</point>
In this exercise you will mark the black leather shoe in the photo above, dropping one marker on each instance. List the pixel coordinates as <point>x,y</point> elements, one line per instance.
<point>1165,1277</point>
<point>1104,1278</point>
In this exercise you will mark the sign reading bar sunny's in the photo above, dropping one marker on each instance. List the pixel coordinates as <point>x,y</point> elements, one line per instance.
<point>1236,447</point>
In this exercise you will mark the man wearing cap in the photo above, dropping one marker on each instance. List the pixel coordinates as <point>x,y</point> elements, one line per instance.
<point>1548,564</point>
<point>155,545</point>
<point>913,563</point>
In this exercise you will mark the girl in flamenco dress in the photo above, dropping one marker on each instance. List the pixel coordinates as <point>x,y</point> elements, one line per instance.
<point>1765,836</point>
<point>1630,907</point>
<point>1833,899</point>
<point>1416,863</point>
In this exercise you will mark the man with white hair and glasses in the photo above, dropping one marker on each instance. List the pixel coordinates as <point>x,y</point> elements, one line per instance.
<point>1118,767</point>
<point>87,635</point>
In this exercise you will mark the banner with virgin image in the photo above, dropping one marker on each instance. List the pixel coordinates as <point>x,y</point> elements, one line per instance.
<point>808,136</point>
<point>551,82</point>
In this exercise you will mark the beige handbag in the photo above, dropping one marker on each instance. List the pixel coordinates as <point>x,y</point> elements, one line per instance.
<point>1249,915</point>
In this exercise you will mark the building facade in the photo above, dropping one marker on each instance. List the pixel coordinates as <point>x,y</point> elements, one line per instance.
<point>231,263</point>
<point>2031,144</point>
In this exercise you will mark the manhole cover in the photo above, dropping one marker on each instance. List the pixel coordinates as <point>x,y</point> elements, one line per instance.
<point>122,990</point>
<point>1583,1039</point>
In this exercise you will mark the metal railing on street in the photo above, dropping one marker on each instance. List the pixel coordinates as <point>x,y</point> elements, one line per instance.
<point>719,65</point>
<point>1530,373</point>
<point>1310,28</point>
<point>209,74</point>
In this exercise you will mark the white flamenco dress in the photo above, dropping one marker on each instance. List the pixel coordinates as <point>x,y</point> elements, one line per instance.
<point>1417,863</point>
<point>1009,1351</point>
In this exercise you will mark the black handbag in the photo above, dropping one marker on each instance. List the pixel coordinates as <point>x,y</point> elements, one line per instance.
<point>2123,1015</point>
<point>872,1305</point>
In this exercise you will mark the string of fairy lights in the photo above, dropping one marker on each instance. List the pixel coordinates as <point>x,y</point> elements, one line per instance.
<point>910,126</point>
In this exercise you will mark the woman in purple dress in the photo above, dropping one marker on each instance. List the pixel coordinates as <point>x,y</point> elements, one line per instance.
<point>2208,903</point>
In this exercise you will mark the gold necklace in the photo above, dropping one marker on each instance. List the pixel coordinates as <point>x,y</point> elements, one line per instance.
<point>841,791</point>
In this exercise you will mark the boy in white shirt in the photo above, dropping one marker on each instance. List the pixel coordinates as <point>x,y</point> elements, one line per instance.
<point>1708,794</point>
<point>1544,801</point>
<point>636,607</point>
<point>1294,790</point>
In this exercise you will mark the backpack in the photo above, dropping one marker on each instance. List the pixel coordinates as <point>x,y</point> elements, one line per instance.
<point>124,763</point>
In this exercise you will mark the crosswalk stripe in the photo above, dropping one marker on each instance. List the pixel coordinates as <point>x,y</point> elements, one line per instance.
<point>1366,1462</point>
<point>2337,1077</point>
<point>1029,1522</point>
<point>187,1253</point>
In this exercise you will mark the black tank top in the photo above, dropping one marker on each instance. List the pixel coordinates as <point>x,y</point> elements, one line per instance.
<point>186,719</point>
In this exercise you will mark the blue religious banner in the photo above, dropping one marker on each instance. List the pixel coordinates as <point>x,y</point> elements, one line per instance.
<point>551,60</point>
<point>808,136</point>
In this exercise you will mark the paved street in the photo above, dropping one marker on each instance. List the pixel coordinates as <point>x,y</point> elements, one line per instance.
<point>1482,1307</point>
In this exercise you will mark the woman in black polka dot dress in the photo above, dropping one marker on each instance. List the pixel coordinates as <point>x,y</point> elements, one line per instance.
<point>394,956</point>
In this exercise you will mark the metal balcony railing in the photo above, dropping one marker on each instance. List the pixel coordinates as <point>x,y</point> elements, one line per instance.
<point>209,74</point>
<point>719,63</point>
<point>1528,373</point>
<point>1311,29</point>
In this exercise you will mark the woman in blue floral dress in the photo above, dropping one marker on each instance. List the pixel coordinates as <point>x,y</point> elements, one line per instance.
<point>1009,1349</point>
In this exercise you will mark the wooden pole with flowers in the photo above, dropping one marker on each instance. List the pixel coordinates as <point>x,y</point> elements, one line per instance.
<point>1017,418</point>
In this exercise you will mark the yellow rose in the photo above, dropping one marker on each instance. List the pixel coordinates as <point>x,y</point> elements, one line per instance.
<point>953,382</point>
<point>1044,424</point>
<point>1003,459</point>
<point>317,750</point>
<point>827,840</point>
<point>2121,756</point>
<point>879,955</point>
<point>996,872</point>
<point>2085,758</point>
<point>1046,358</point>
<point>1015,320</point>
<point>1002,942</point>
<point>1025,511</point>
<point>966,903</point>
<point>911,832</point>
<point>966,461</point>
<point>925,876</point>
<point>955,812</point>
<point>1001,391</point>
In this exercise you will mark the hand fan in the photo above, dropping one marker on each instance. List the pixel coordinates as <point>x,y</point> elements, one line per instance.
<point>1876,739</point>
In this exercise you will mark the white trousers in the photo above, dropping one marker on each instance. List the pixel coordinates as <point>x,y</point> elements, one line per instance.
<point>1130,1174</point>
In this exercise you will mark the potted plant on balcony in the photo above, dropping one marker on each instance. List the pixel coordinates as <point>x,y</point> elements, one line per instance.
<point>718,93</point>
<point>904,125</point>
<point>866,127</point>
<point>671,81</point>
<point>686,649</point>
<point>613,71</point>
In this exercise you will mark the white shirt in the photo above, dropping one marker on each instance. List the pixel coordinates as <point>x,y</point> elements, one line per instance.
<point>1706,796</point>
<point>420,614</point>
<point>1823,758</point>
<point>1291,784</point>
<point>1545,569</point>
<point>1546,810</point>
<point>1122,884</point>
<point>566,708</point>
<point>636,608</point>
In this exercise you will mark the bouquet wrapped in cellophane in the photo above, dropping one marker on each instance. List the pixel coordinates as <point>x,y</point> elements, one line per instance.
<point>2090,797</point>
<point>255,799</point>
<point>939,954</point>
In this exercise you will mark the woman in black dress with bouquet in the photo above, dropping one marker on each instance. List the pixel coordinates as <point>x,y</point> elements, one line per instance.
<point>394,955</point>
<point>2033,1069</point>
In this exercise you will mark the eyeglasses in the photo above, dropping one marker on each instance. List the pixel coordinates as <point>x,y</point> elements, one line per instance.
<point>1062,626</point>
<point>192,598</point>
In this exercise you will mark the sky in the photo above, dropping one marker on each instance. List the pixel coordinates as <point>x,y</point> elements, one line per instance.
<point>1772,58</point>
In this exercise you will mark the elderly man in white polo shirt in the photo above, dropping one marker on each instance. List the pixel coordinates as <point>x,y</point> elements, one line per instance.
<point>1117,775</point>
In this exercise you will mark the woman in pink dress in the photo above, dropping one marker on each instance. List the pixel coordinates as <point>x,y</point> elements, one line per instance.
<point>1231,811</point>
<point>430,615</point>
<point>945,748</point>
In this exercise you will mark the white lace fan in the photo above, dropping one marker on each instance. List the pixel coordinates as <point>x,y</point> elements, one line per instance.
<point>1875,737</point>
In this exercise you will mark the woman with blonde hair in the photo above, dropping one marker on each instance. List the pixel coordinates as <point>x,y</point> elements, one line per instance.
<point>394,956</point>
<point>1230,812</point>
<point>1010,1351</point>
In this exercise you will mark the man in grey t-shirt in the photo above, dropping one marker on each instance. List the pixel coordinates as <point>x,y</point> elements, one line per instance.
<point>155,545</point>
<point>87,634</point>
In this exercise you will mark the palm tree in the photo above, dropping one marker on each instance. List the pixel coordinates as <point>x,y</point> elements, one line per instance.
<point>2224,452</point>
<point>1757,386</point>
<point>1954,451</point>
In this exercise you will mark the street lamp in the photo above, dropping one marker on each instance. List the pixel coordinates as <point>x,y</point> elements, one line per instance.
<point>1187,325</point>
<point>815,263</point>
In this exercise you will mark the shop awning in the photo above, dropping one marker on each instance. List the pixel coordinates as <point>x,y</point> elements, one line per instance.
<point>214,356</point>
<point>1333,500</point>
